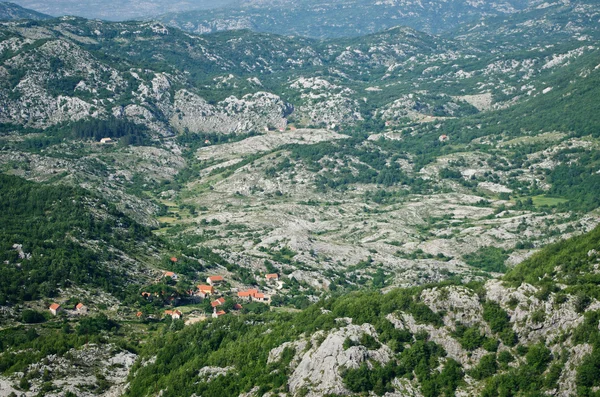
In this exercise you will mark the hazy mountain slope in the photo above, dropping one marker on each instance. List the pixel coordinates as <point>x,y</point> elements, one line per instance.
<point>118,10</point>
<point>323,19</point>
<point>10,11</point>
<point>549,24</point>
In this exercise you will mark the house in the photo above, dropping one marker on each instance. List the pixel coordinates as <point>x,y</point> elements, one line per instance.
<point>207,142</point>
<point>206,290</point>
<point>217,314</point>
<point>139,314</point>
<point>444,138</point>
<point>215,280</point>
<point>106,141</point>
<point>175,314</point>
<point>247,295</point>
<point>172,275</point>
<point>81,308</point>
<point>174,259</point>
<point>260,297</point>
<point>237,306</point>
<point>55,308</point>
<point>217,302</point>
<point>252,295</point>
<point>146,294</point>
<point>272,277</point>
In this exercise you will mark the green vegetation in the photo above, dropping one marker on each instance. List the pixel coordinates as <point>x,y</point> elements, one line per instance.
<point>50,224</point>
<point>490,259</point>
<point>569,261</point>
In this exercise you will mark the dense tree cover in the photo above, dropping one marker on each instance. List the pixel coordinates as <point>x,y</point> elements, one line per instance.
<point>50,222</point>
<point>22,346</point>
<point>570,261</point>
<point>241,342</point>
<point>422,358</point>
<point>490,259</point>
<point>376,164</point>
<point>125,131</point>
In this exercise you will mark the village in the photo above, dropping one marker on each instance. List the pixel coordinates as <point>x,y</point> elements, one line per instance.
<point>213,298</point>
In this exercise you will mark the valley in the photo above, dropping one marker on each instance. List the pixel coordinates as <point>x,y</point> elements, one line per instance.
<point>427,204</point>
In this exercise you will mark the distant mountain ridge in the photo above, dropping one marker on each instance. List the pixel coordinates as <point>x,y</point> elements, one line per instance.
<point>11,11</point>
<point>323,19</point>
<point>113,10</point>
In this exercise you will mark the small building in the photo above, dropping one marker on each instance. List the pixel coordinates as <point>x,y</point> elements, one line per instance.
<point>237,306</point>
<point>174,259</point>
<point>55,308</point>
<point>215,280</point>
<point>206,290</point>
<point>106,141</point>
<point>444,138</point>
<point>217,302</point>
<point>252,295</point>
<point>272,277</point>
<point>81,308</point>
<point>146,294</point>
<point>263,298</point>
<point>172,275</point>
<point>217,314</point>
<point>207,142</point>
<point>139,314</point>
<point>175,314</point>
<point>248,294</point>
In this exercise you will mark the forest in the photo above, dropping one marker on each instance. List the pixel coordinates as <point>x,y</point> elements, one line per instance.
<point>41,240</point>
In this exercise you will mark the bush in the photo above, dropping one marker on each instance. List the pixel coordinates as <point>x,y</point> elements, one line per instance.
<point>32,317</point>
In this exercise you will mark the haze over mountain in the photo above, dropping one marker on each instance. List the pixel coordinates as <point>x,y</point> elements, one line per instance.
<point>321,19</point>
<point>397,213</point>
<point>113,10</point>
<point>10,11</point>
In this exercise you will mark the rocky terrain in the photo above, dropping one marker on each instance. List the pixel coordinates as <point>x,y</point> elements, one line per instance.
<point>349,167</point>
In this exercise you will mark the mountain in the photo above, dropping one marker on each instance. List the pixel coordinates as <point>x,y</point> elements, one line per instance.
<point>481,339</point>
<point>118,10</point>
<point>323,19</point>
<point>10,11</point>
<point>398,212</point>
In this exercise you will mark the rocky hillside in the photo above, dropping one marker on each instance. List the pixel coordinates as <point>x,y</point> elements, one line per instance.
<point>401,186</point>
<point>10,11</point>
<point>502,336</point>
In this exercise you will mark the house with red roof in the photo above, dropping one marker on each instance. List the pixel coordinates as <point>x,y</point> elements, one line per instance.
<point>263,298</point>
<point>272,277</point>
<point>252,295</point>
<point>55,308</point>
<point>217,302</point>
<point>217,314</point>
<point>172,275</point>
<point>175,314</point>
<point>248,294</point>
<point>205,290</point>
<point>215,280</point>
<point>81,308</point>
